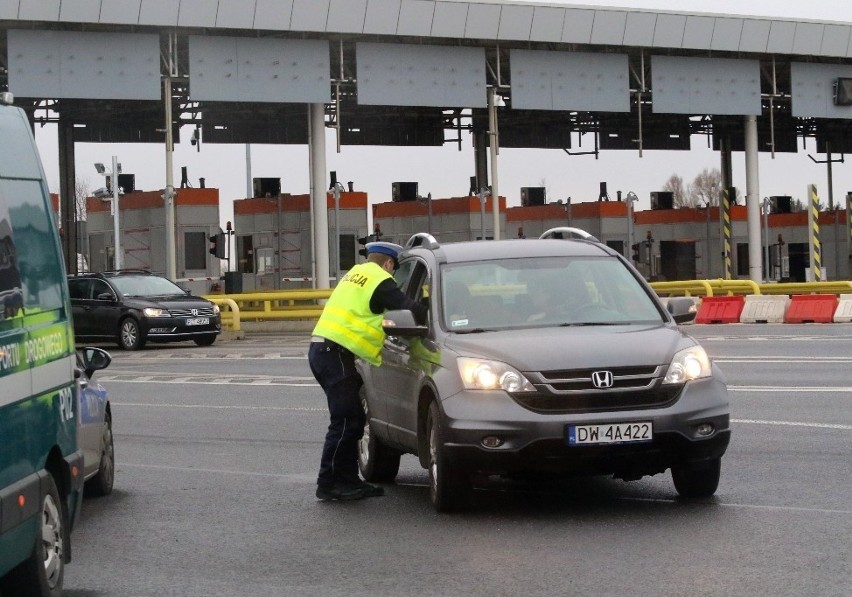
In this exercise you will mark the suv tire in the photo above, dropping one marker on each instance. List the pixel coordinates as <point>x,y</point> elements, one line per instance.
<point>377,462</point>
<point>449,488</point>
<point>697,480</point>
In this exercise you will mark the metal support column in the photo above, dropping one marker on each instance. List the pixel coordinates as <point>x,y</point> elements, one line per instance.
<point>495,151</point>
<point>68,195</point>
<point>319,199</point>
<point>755,267</point>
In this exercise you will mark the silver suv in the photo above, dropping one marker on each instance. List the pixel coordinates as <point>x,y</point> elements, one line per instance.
<point>540,356</point>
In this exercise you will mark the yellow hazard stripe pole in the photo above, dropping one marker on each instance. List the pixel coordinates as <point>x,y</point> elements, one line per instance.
<point>813,233</point>
<point>726,231</point>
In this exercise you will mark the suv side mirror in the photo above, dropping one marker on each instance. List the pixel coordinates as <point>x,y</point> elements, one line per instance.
<point>682,308</point>
<point>402,323</point>
<point>106,296</point>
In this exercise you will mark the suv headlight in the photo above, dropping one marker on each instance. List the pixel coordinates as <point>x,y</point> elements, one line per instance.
<point>688,364</point>
<point>151,312</point>
<point>215,309</point>
<point>482,374</point>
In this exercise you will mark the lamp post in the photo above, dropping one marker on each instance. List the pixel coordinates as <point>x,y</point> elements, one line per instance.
<point>765,205</point>
<point>116,170</point>
<point>630,199</point>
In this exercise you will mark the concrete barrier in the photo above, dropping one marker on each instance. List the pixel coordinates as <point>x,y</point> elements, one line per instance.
<point>843,313</point>
<point>764,309</point>
<point>811,308</point>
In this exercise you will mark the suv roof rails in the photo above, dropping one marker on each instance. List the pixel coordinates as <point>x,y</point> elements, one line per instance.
<point>568,232</point>
<point>422,239</point>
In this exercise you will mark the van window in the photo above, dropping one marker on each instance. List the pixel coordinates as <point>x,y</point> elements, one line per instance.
<point>34,237</point>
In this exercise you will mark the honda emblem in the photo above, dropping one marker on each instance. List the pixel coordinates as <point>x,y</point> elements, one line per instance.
<point>602,379</point>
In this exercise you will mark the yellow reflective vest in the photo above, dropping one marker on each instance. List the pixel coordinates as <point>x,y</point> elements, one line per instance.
<point>347,318</point>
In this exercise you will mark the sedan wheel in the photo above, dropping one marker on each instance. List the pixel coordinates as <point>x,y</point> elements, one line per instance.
<point>129,335</point>
<point>101,484</point>
<point>376,461</point>
<point>449,489</point>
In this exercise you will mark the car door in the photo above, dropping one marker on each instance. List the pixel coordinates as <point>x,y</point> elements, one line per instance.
<point>80,290</point>
<point>104,310</point>
<point>408,363</point>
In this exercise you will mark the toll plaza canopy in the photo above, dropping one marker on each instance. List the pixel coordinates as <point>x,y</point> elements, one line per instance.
<point>416,72</point>
<point>424,72</point>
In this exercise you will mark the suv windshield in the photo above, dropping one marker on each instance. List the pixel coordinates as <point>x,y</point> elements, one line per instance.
<point>542,291</point>
<point>144,285</point>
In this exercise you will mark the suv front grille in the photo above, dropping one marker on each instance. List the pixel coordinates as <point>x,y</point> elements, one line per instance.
<point>200,312</point>
<point>573,391</point>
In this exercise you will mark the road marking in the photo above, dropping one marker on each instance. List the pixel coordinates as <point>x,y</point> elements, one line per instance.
<point>792,389</point>
<point>736,505</point>
<point>794,424</point>
<point>296,477</point>
<point>223,407</point>
<point>781,359</point>
<point>210,381</point>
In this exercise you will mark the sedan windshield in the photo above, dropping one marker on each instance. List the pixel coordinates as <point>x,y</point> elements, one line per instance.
<point>543,292</point>
<point>145,286</point>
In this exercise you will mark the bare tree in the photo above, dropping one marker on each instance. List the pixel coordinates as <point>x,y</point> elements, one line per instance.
<point>705,189</point>
<point>82,191</point>
<point>674,185</point>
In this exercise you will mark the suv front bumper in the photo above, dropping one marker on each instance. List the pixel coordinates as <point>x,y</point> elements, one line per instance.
<point>533,441</point>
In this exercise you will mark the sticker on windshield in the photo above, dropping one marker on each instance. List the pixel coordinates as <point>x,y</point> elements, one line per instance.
<point>458,322</point>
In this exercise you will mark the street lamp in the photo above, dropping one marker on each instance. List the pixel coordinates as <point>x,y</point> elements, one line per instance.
<point>630,199</point>
<point>766,205</point>
<point>113,174</point>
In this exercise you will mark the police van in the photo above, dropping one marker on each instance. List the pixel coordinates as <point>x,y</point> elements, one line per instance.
<point>41,467</point>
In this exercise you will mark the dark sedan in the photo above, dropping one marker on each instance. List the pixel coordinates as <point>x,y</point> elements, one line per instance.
<point>135,307</point>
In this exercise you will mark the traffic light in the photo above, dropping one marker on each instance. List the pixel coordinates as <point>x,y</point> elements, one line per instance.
<point>363,240</point>
<point>217,244</point>
<point>635,247</point>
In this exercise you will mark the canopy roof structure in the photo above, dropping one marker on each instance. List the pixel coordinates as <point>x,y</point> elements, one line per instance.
<point>415,72</point>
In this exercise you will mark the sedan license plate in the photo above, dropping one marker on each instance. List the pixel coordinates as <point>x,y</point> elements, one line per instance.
<point>198,321</point>
<point>613,433</point>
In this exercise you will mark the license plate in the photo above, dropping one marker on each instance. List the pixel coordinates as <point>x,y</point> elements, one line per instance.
<point>198,321</point>
<point>613,433</point>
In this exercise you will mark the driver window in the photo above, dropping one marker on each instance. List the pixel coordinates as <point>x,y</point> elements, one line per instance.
<point>100,287</point>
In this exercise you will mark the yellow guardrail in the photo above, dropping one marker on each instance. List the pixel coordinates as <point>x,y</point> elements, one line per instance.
<point>280,305</point>
<point>747,287</point>
<point>291,305</point>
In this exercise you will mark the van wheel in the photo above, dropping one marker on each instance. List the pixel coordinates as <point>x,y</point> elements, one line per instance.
<point>697,480</point>
<point>449,488</point>
<point>101,484</point>
<point>42,573</point>
<point>129,335</point>
<point>376,461</point>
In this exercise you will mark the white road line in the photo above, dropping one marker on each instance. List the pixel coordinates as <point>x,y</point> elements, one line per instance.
<point>211,381</point>
<point>736,505</point>
<point>782,359</point>
<point>792,389</point>
<point>223,407</point>
<point>794,424</point>
<point>311,477</point>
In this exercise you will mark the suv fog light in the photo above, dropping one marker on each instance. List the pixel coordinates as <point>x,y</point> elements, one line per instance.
<point>705,429</point>
<point>492,441</point>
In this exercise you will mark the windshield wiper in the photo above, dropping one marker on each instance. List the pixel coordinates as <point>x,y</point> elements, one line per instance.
<point>591,323</point>
<point>475,331</point>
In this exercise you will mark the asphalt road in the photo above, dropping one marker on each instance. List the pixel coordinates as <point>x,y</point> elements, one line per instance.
<point>217,451</point>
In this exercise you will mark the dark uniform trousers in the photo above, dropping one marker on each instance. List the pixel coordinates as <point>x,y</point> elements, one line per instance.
<point>334,368</point>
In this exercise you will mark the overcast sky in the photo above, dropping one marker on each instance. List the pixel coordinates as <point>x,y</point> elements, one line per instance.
<point>445,171</point>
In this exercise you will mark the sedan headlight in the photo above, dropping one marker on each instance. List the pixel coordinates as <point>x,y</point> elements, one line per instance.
<point>151,312</point>
<point>688,364</point>
<point>482,374</point>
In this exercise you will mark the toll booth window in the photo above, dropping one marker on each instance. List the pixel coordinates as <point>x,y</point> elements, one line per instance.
<point>195,250</point>
<point>42,275</point>
<point>742,259</point>
<point>245,251</point>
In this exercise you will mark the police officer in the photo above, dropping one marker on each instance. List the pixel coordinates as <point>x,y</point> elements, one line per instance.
<point>351,326</point>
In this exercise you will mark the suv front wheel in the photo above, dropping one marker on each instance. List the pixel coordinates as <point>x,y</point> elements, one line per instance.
<point>449,488</point>
<point>697,480</point>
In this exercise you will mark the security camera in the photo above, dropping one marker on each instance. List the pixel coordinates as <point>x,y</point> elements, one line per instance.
<point>102,193</point>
